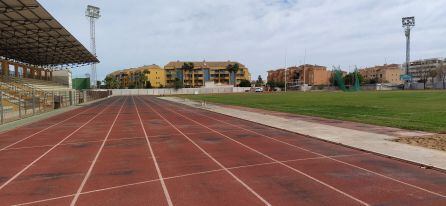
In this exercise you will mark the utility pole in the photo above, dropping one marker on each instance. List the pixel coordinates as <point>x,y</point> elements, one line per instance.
<point>286,80</point>
<point>305,62</point>
<point>93,13</point>
<point>408,24</point>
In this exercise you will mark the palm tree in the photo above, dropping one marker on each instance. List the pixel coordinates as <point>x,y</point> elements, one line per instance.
<point>145,72</point>
<point>233,69</point>
<point>189,66</point>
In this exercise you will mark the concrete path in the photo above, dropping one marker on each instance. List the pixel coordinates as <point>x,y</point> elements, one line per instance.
<point>373,141</point>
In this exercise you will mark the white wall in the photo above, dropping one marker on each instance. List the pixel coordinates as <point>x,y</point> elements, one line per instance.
<point>63,77</point>
<point>156,92</point>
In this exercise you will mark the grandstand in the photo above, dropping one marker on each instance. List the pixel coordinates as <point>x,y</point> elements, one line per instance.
<point>35,44</point>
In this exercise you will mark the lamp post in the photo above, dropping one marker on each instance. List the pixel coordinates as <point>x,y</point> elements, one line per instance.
<point>408,24</point>
<point>93,13</point>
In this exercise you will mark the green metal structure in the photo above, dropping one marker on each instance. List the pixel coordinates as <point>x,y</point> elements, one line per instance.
<point>339,81</point>
<point>81,83</point>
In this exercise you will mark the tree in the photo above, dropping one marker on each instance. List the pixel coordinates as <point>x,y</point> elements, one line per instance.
<point>441,72</point>
<point>274,84</point>
<point>178,84</point>
<point>111,82</point>
<point>148,85</point>
<point>432,75</point>
<point>259,81</point>
<point>245,83</point>
<point>233,69</point>
<point>424,76</point>
<point>145,79</point>
<point>349,79</point>
<point>188,66</point>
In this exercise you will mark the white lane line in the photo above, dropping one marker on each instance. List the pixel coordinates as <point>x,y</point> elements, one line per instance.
<point>277,161</point>
<point>212,158</point>
<point>160,176</point>
<point>84,181</point>
<point>51,149</point>
<point>75,143</point>
<point>116,139</point>
<point>301,148</point>
<point>328,157</point>
<point>180,176</point>
<point>49,127</point>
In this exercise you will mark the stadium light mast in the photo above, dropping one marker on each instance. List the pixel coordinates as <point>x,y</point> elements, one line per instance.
<point>93,13</point>
<point>408,24</point>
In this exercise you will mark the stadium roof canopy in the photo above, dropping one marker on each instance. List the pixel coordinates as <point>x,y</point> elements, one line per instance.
<point>29,34</point>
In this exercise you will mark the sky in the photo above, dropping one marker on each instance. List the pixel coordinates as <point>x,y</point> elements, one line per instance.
<point>261,34</point>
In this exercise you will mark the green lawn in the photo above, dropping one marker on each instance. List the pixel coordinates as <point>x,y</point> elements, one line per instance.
<point>417,110</point>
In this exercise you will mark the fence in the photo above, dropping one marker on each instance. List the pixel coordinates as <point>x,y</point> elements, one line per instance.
<point>421,86</point>
<point>169,91</point>
<point>15,105</point>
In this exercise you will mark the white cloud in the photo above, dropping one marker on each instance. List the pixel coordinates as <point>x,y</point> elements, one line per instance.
<point>255,32</point>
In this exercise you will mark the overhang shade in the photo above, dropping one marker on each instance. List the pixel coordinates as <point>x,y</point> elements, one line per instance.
<point>29,34</point>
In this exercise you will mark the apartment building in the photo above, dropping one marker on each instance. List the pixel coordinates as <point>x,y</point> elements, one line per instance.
<point>130,77</point>
<point>422,69</point>
<point>387,73</point>
<point>303,74</point>
<point>202,72</point>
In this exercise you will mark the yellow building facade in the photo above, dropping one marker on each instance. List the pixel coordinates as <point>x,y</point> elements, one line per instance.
<point>388,73</point>
<point>130,78</point>
<point>211,72</point>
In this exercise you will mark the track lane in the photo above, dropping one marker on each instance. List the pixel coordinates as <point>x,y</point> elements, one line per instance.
<point>211,197</point>
<point>398,171</point>
<point>402,191</point>
<point>16,159</point>
<point>248,148</point>
<point>198,180</point>
<point>133,164</point>
<point>12,137</point>
<point>54,172</point>
<point>93,163</point>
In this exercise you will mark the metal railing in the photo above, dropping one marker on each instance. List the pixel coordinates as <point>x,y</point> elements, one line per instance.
<point>18,103</point>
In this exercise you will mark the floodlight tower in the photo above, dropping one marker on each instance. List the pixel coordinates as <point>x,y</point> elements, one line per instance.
<point>93,13</point>
<point>408,24</point>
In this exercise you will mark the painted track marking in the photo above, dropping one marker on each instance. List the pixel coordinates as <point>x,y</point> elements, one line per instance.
<point>180,176</point>
<point>49,127</point>
<point>52,148</point>
<point>212,158</point>
<point>74,143</point>
<point>84,181</point>
<point>316,153</point>
<point>116,139</point>
<point>273,159</point>
<point>163,184</point>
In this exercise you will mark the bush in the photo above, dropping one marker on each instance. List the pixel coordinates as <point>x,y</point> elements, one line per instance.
<point>245,83</point>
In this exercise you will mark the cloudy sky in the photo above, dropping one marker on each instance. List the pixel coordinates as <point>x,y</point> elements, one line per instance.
<point>257,33</point>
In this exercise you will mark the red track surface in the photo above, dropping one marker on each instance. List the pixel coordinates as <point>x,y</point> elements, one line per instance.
<point>145,151</point>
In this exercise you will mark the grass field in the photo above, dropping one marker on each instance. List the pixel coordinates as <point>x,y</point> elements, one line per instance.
<point>417,110</point>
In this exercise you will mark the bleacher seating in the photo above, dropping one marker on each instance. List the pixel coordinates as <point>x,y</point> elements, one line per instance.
<point>19,92</point>
<point>44,85</point>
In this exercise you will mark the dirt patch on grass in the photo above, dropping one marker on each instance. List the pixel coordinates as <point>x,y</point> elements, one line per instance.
<point>437,141</point>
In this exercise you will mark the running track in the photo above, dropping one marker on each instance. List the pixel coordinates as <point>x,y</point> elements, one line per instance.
<point>144,151</point>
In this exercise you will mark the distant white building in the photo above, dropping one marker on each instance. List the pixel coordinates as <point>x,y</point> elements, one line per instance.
<point>421,69</point>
